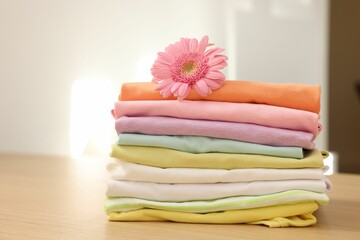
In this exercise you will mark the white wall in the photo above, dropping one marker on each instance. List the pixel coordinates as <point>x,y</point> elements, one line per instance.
<point>281,41</point>
<point>46,46</point>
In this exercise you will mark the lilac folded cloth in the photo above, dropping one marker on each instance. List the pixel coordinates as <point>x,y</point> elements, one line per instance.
<point>261,114</point>
<point>228,130</point>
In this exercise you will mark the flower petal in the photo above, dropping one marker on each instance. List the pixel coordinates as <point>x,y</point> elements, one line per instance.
<point>184,45</point>
<point>173,50</point>
<point>203,44</point>
<point>216,60</point>
<point>156,80</point>
<point>218,66</point>
<point>198,90</point>
<point>182,89</point>
<point>175,86</point>
<point>213,85</point>
<point>159,64</point>
<point>193,45</point>
<point>182,97</point>
<point>155,70</point>
<point>167,57</point>
<point>215,75</point>
<point>213,51</point>
<point>166,92</point>
<point>162,61</point>
<point>203,87</point>
<point>170,70</point>
<point>164,84</point>
<point>161,73</point>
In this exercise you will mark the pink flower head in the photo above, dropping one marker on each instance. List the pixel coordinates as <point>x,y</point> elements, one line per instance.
<point>186,65</point>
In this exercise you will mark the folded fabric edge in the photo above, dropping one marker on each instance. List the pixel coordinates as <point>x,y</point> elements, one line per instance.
<point>234,203</point>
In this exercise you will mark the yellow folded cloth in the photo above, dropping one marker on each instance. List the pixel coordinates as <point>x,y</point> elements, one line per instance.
<point>299,215</point>
<point>168,158</point>
<point>301,220</point>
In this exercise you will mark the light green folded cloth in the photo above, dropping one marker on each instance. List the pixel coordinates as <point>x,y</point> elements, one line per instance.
<point>123,204</point>
<point>195,144</point>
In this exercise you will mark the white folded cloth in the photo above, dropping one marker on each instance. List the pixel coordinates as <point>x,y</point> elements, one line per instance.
<point>206,191</point>
<point>122,170</point>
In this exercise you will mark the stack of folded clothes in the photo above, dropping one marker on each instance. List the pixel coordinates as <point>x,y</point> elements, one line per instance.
<point>244,154</point>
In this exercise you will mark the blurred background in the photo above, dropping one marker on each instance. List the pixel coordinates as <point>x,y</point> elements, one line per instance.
<point>62,63</point>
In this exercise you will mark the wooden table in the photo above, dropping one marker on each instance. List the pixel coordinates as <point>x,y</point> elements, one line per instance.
<point>61,198</point>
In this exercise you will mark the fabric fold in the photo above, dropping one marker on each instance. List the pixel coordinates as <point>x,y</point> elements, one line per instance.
<point>207,191</point>
<point>260,114</point>
<point>243,154</point>
<point>197,144</point>
<point>168,158</point>
<point>299,215</point>
<point>122,170</point>
<point>223,204</point>
<point>227,130</point>
<point>297,96</point>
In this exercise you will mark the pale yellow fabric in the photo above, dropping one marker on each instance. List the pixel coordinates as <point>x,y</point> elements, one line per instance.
<point>168,158</point>
<point>273,216</point>
<point>301,220</point>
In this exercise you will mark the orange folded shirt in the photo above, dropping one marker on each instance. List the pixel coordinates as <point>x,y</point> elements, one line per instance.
<point>297,96</point>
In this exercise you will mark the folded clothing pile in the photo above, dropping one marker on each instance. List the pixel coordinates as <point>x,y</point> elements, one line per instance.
<point>244,154</point>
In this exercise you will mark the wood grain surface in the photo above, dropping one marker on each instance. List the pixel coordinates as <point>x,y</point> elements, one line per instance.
<point>45,198</point>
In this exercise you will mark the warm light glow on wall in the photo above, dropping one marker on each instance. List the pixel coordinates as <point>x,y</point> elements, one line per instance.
<point>92,126</point>
<point>332,163</point>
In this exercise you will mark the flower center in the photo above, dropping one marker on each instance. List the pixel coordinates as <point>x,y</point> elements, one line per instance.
<point>189,68</point>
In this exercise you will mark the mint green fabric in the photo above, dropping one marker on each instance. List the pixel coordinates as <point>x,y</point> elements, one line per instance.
<point>195,144</point>
<point>123,204</point>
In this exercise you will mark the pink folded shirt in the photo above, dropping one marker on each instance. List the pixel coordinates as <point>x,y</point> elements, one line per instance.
<point>228,130</point>
<point>261,114</point>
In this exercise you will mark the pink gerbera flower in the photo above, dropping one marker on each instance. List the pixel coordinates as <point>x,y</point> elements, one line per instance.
<point>186,65</point>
